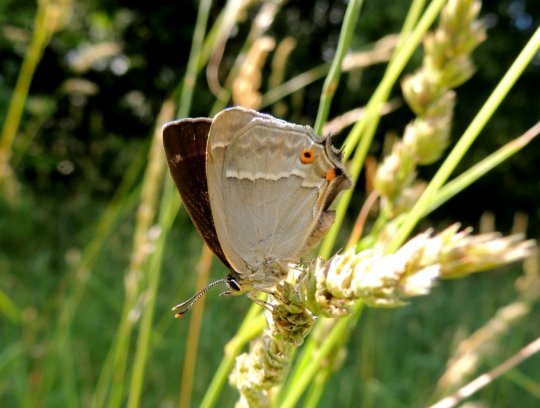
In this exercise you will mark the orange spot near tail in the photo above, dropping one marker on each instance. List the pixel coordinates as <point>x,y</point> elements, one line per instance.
<point>330,175</point>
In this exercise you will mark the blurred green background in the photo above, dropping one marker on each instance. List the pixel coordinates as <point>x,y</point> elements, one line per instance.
<point>88,119</point>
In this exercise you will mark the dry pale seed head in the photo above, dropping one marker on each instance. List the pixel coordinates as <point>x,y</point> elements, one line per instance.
<point>245,88</point>
<point>420,90</point>
<point>383,280</point>
<point>395,172</point>
<point>428,138</point>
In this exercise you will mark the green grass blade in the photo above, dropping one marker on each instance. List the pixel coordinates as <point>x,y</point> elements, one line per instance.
<point>169,209</point>
<point>362,133</point>
<point>470,135</point>
<point>251,327</point>
<point>9,309</point>
<point>168,213</point>
<point>296,390</point>
<point>332,79</point>
<point>477,171</point>
<point>40,38</point>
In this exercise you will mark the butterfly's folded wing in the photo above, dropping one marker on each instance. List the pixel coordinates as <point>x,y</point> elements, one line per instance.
<point>185,148</point>
<point>266,201</point>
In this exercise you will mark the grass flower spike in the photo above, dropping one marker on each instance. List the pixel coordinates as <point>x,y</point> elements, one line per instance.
<point>447,64</point>
<point>382,280</point>
<point>370,277</point>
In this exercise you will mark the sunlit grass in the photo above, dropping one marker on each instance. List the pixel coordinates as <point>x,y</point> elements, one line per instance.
<point>103,344</point>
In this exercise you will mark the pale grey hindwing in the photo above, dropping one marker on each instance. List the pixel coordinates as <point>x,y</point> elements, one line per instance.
<point>266,203</point>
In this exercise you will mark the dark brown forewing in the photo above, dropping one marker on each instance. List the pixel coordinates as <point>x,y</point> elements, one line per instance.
<point>185,147</point>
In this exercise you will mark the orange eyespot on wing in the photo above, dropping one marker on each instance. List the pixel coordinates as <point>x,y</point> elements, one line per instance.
<point>307,156</point>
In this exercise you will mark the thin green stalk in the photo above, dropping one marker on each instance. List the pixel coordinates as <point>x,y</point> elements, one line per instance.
<point>332,79</point>
<point>69,377</point>
<point>299,82</point>
<point>456,185</point>
<point>364,130</point>
<point>169,209</point>
<point>457,153</point>
<point>9,355</point>
<point>107,368</point>
<point>414,13</point>
<point>306,367</point>
<point>528,383</point>
<point>168,213</point>
<point>482,381</point>
<point>396,65</point>
<point>222,27</point>
<point>186,97</point>
<point>308,350</point>
<point>480,169</point>
<point>310,363</point>
<point>40,38</point>
<point>219,380</point>
<point>315,391</point>
<point>224,96</point>
<point>77,279</point>
<point>257,29</point>
<point>294,84</point>
<point>9,309</point>
<point>251,327</point>
<point>407,45</point>
<point>219,30</point>
<point>295,391</point>
<point>150,192</point>
<point>106,375</point>
<point>194,331</point>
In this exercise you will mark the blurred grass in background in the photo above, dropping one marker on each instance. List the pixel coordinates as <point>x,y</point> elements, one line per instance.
<point>69,209</point>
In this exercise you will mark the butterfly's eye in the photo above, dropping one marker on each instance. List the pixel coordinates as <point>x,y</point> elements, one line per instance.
<point>307,156</point>
<point>233,285</point>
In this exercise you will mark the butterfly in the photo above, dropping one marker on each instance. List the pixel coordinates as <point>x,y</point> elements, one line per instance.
<point>257,188</point>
